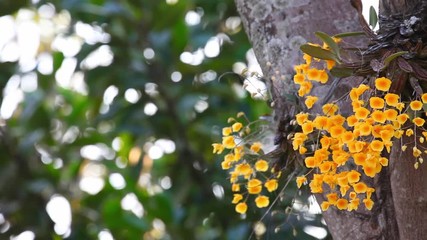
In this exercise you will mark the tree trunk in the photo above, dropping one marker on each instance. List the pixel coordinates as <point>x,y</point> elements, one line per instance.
<point>276,30</point>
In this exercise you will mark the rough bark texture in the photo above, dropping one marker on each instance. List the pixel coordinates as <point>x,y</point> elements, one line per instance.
<point>408,185</point>
<point>276,29</point>
<point>397,6</point>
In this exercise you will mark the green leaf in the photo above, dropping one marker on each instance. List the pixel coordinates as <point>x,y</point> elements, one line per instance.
<point>58,58</point>
<point>180,36</point>
<point>111,211</point>
<point>373,17</point>
<point>97,2</point>
<point>9,7</point>
<point>161,205</point>
<point>328,40</point>
<point>319,52</point>
<point>138,223</point>
<point>348,34</point>
<point>341,72</point>
<point>392,57</point>
<point>56,237</point>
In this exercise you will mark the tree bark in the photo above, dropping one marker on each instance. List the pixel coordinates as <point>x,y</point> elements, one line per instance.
<point>276,29</point>
<point>408,185</point>
<point>389,7</point>
<point>409,188</point>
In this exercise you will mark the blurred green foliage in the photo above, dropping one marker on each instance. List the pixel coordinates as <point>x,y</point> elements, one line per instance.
<point>105,118</point>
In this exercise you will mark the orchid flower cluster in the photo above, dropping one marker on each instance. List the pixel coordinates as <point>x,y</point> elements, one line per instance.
<point>251,176</point>
<point>340,150</point>
<point>345,148</point>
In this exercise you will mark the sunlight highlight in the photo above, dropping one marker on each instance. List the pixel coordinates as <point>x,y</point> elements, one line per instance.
<point>59,211</point>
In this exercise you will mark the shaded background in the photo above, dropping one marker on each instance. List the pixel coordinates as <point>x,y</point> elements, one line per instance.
<point>108,112</point>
